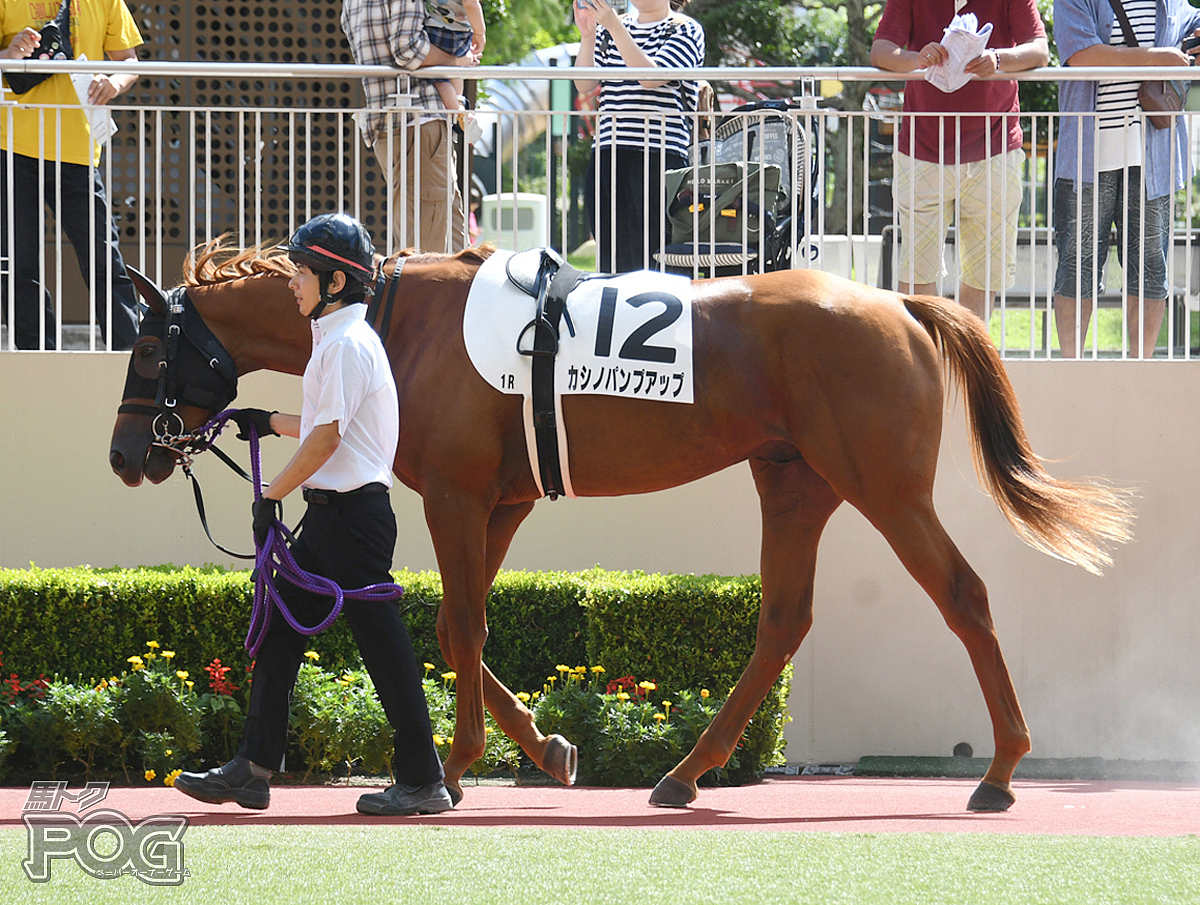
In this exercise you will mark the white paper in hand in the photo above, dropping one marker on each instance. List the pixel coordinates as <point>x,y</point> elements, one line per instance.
<point>101,125</point>
<point>964,40</point>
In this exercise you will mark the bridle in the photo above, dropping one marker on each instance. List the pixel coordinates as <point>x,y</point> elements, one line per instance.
<point>195,370</point>
<point>211,385</point>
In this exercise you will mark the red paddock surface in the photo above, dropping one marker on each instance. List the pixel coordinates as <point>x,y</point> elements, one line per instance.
<point>794,804</point>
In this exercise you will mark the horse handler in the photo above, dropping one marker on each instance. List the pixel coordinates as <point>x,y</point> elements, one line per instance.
<point>348,434</point>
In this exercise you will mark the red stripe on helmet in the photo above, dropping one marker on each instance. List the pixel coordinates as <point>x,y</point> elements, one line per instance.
<point>328,253</point>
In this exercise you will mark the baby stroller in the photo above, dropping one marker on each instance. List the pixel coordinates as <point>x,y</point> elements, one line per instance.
<point>746,200</point>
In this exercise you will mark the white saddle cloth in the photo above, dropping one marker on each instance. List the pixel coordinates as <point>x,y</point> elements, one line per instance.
<point>633,338</point>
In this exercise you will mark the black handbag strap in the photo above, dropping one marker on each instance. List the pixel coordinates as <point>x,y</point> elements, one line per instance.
<point>1126,27</point>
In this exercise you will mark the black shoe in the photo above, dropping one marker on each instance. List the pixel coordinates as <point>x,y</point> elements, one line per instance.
<point>232,782</point>
<point>398,801</point>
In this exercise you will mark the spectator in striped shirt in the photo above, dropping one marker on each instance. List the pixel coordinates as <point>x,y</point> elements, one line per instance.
<point>643,128</point>
<point>428,216</point>
<point>1113,169</point>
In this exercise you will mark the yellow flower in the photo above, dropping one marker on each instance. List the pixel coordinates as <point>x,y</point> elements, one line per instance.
<point>450,676</point>
<point>153,645</point>
<point>535,696</point>
<point>181,673</point>
<point>551,679</point>
<point>580,669</point>
<point>523,696</point>
<point>150,774</point>
<point>168,655</point>
<point>437,740</point>
<point>647,686</point>
<point>136,662</point>
<point>312,655</point>
<point>169,779</point>
<point>597,669</point>
<point>169,752</point>
<point>704,692</point>
<point>660,716</point>
<point>190,684</point>
<point>667,704</point>
<point>622,696</point>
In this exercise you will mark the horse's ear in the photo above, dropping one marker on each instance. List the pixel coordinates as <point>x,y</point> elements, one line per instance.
<point>149,291</point>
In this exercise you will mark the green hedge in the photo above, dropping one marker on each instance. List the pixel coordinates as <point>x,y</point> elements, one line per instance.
<point>681,632</point>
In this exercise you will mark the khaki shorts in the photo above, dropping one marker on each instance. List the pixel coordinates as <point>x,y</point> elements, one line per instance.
<point>425,153</point>
<point>983,197</point>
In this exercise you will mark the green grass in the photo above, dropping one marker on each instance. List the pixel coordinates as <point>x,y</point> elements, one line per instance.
<point>462,866</point>
<point>1014,326</point>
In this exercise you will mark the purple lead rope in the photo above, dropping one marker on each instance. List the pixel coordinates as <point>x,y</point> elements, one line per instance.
<point>273,557</point>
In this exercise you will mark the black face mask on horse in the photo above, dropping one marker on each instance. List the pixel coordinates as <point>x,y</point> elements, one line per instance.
<point>177,364</point>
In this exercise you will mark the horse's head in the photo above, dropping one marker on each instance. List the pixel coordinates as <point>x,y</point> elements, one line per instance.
<point>179,376</point>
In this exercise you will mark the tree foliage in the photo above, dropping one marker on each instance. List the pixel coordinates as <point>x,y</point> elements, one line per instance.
<point>518,27</point>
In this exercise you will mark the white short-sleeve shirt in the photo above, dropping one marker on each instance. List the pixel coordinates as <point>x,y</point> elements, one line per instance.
<point>348,380</point>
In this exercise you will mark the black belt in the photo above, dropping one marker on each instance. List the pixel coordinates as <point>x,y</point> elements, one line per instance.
<point>324,497</point>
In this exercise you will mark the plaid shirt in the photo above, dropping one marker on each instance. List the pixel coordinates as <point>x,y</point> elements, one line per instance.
<point>388,33</point>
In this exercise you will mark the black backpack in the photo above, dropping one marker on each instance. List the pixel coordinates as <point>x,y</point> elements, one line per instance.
<point>55,45</point>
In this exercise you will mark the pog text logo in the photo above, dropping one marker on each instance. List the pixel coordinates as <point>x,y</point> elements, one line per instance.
<point>104,843</point>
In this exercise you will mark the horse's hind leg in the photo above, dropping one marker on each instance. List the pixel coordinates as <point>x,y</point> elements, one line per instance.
<point>918,538</point>
<point>796,503</point>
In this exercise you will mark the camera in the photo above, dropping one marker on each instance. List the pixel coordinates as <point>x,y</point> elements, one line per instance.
<point>619,6</point>
<point>1190,43</point>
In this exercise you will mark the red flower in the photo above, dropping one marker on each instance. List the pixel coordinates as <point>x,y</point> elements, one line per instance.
<point>216,678</point>
<point>627,684</point>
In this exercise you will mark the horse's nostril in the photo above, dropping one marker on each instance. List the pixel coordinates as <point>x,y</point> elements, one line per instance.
<point>117,461</point>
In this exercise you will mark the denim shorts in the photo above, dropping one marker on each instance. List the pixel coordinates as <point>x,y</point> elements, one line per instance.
<point>1141,242</point>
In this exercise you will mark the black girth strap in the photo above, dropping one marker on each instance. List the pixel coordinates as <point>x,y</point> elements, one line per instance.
<point>384,286</point>
<point>555,279</point>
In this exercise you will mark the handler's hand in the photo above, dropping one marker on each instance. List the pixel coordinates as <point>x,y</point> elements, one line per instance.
<point>265,512</point>
<point>260,418</point>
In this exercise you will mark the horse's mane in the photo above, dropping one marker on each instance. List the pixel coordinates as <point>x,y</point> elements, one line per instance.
<point>476,253</point>
<point>215,262</point>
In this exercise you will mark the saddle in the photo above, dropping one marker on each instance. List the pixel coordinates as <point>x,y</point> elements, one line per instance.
<point>542,274</point>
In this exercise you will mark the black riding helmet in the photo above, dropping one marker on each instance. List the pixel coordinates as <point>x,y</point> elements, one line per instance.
<point>332,242</point>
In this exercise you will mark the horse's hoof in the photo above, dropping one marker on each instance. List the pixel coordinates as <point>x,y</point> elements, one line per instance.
<point>990,797</point>
<point>455,790</point>
<point>671,793</point>
<point>561,759</point>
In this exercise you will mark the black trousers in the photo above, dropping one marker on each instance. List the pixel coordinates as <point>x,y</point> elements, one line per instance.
<point>631,205</point>
<point>350,540</point>
<point>77,198</point>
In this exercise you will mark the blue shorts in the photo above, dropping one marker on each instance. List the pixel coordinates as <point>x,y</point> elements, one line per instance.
<point>1141,242</point>
<point>455,42</point>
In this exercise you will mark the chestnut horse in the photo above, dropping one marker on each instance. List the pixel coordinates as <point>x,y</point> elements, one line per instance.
<point>832,390</point>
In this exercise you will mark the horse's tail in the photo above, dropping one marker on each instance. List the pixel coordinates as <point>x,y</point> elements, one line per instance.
<point>1074,522</point>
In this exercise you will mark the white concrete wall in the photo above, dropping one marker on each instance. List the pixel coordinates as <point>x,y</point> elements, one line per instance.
<point>1106,667</point>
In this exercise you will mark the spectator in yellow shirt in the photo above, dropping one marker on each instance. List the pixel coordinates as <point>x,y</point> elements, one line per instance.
<point>54,161</point>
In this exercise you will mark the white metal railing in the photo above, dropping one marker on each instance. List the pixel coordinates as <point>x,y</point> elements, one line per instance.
<point>180,175</point>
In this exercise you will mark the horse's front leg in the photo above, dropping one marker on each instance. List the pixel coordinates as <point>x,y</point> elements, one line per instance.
<point>458,528</point>
<point>796,504</point>
<point>553,754</point>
